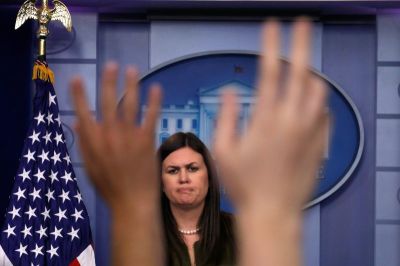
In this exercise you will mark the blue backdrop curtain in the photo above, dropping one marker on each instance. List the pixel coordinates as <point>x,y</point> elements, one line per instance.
<point>15,97</point>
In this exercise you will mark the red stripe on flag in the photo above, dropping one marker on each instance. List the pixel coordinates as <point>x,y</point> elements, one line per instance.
<point>75,262</point>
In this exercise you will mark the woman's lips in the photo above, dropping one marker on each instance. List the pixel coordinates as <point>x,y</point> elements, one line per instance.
<point>185,190</point>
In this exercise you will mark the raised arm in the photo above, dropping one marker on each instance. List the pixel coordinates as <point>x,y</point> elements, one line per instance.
<point>119,157</point>
<point>270,171</point>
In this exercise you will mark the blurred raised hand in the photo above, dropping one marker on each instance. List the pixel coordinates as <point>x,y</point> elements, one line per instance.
<point>119,157</point>
<point>270,171</point>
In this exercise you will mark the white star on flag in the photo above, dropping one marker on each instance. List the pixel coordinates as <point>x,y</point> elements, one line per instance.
<point>61,214</point>
<point>78,196</point>
<point>44,156</point>
<point>47,137</point>
<point>49,195</point>
<point>49,118</point>
<point>56,232</point>
<point>67,177</point>
<point>52,99</point>
<point>64,196</point>
<point>25,175</point>
<point>35,194</point>
<point>39,175</point>
<point>27,231</point>
<point>73,233</point>
<point>39,118</point>
<point>10,230</point>
<point>31,212</point>
<point>22,250</point>
<point>55,158</point>
<point>53,176</point>
<point>15,212</point>
<point>20,193</point>
<point>58,119</point>
<point>52,251</point>
<point>34,137</point>
<point>29,156</point>
<point>41,232</point>
<point>77,215</point>
<point>37,250</point>
<point>58,138</point>
<point>67,159</point>
<point>46,214</point>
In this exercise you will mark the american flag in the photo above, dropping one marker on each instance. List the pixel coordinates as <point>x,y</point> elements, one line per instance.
<point>46,221</point>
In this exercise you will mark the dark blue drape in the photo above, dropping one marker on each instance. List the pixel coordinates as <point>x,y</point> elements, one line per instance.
<point>15,97</point>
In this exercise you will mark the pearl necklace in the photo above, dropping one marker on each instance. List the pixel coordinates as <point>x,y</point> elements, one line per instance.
<point>189,232</point>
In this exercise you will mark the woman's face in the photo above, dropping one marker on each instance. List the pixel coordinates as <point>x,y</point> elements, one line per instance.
<point>185,178</point>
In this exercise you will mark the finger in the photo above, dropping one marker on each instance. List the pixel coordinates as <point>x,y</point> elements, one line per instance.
<point>300,56</point>
<point>153,109</point>
<point>90,157</point>
<point>327,125</point>
<point>85,125</point>
<point>269,64</point>
<point>225,133</point>
<point>315,102</point>
<point>85,146</point>
<point>320,140</point>
<point>314,157</point>
<point>81,106</point>
<point>87,132</point>
<point>109,97</point>
<point>130,103</point>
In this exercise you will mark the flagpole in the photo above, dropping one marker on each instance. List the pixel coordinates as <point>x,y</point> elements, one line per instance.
<point>43,15</point>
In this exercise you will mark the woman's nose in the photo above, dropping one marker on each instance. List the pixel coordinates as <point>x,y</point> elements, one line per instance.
<point>183,176</point>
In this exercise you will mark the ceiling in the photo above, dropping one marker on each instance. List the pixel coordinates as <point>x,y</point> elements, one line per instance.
<point>140,6</point>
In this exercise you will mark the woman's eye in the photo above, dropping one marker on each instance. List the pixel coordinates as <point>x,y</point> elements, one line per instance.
<point>193,169</point>
<point>172,171</point>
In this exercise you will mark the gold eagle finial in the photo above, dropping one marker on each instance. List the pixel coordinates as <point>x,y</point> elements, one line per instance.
<point>44,15</point>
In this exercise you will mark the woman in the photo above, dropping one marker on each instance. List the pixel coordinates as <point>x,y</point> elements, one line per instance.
<point>197,231</point>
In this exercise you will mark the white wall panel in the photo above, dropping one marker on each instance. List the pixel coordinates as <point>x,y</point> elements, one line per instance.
<point>387,245</point>
<point>173,39</point>
<point>84,45</point>
<point>388,196</point>
<point>63,74</point>
<point>388,37</point>
<point>388,97</point>
<point>388,143</point>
